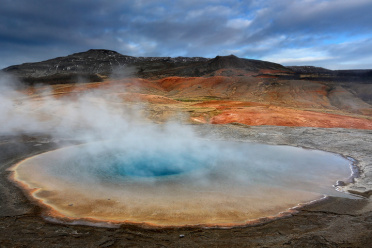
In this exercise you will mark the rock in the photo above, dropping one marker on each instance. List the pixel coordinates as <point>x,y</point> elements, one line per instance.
<point>340,183</point>
<point>94,65</point>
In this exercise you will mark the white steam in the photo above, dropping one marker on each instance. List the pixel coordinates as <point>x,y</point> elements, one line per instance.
<point>88,115</point>
<point>100,114</point>
<point>97,115</point>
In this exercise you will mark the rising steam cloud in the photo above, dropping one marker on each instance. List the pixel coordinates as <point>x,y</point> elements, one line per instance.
<point>212,178</point>
<point>88,115</point>
<point>101,114</point>
<point>95,115</point>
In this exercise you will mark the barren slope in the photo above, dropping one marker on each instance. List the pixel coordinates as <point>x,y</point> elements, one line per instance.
<point>221,90</point>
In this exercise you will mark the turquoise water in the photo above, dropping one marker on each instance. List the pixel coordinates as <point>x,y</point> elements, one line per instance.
<point>191,183</point>
<point>215,163</point>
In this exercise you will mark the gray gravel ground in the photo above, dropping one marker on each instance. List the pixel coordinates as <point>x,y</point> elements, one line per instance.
<point>335,222</point>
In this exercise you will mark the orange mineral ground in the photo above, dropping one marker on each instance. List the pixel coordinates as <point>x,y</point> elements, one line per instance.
<point>224,191</point>
<point>246,100</point>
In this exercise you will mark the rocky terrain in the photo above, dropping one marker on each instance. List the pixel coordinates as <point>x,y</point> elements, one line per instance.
<point>335,222</point>
<point>221,90</point>
<point>98,63</point>
<point>226,98</point>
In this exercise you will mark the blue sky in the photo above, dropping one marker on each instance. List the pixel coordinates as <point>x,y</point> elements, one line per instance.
<point>336,34</point>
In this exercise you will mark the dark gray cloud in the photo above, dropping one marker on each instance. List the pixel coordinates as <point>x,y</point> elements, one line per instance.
<point>318,32</point>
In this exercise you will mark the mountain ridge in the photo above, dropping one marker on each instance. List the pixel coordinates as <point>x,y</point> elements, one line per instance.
<point>99,64</point>
<point>105,63</point>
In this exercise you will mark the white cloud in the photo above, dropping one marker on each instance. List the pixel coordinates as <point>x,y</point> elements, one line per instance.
<point>296,56</point>
<point>286,31</point>
<point>238,23</point>
<point>209,11</point>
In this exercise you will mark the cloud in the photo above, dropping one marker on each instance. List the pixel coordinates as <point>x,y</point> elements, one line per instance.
<point>299,56</point>
<point>238,23</point>
<point>41,29</point>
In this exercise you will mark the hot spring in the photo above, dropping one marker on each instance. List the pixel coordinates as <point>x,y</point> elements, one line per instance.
<point>210,183</point>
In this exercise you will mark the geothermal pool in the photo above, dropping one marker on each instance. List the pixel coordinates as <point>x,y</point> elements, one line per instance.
<point>210,183</point>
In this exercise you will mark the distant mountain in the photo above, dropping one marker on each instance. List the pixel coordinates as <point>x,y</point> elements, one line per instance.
<point>232,61</point>
<point>319,73</point>
<point>96,64</point>
<point>324,71</point>
<point>311,70</point>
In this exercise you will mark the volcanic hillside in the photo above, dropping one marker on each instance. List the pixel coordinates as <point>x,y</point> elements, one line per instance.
<point>225,89</point>
<point>98,63</point>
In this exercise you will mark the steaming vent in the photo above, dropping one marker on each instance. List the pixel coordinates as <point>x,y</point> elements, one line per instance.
<point>154,165</point>
<point>189,182</point>
<point>130,170</point>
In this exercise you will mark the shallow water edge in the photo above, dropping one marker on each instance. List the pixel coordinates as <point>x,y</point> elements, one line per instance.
<point>53,215</point>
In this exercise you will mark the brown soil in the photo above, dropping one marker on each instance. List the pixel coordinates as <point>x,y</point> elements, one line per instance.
<point>280,116</point>
<point>246,100</point>
<point>136,97</point>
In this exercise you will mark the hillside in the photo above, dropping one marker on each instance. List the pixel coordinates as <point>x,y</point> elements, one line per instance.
<point>96,64</point>
<point>225,89</point>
